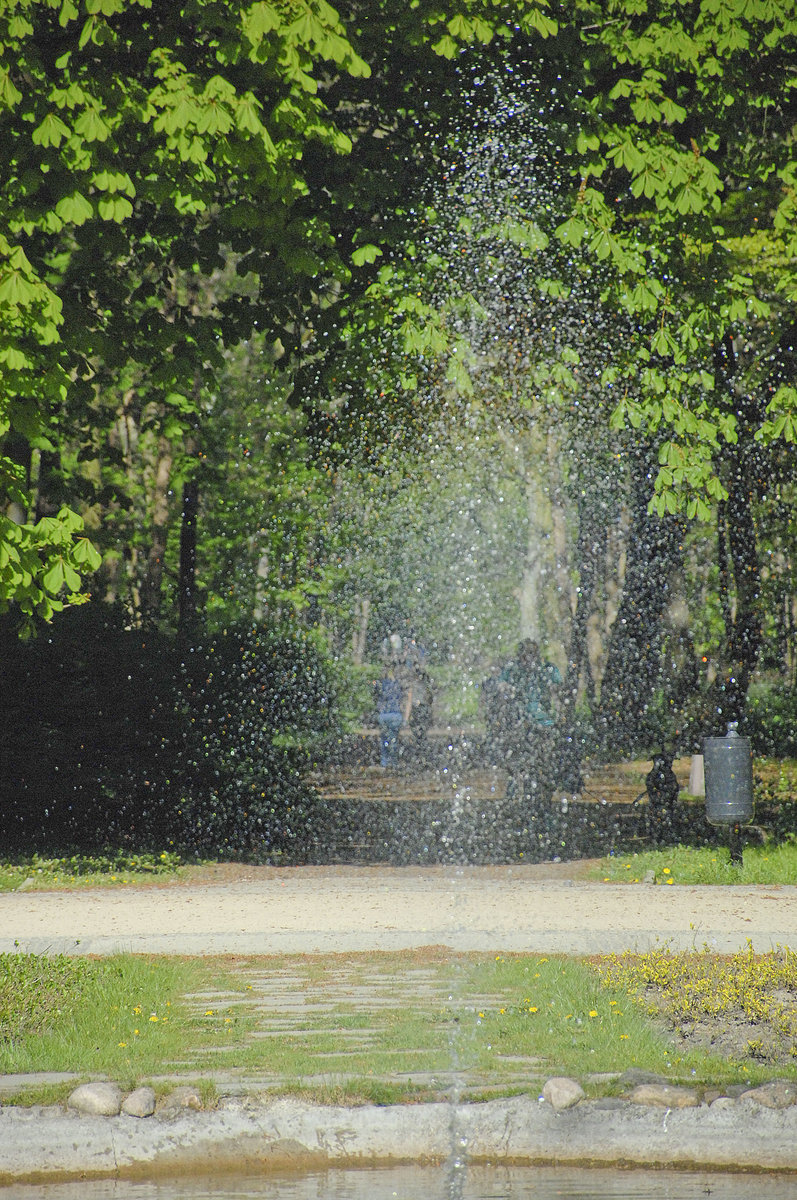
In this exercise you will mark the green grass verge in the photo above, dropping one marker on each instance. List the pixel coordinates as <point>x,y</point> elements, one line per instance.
<point>770,864</point>
<point>35,872</point>
<point>382,1028</point>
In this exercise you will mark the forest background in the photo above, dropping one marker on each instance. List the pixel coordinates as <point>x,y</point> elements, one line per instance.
<point>474,320</point>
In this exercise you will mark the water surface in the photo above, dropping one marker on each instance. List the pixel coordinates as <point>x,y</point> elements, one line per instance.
<point>418,1183</point>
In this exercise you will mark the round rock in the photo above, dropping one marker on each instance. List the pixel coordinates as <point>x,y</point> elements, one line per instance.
<point>140,1103</point>
<point>179,1099</point>
<point>665,1095</point>
<point>562,1093</point>
<point>778,1093</point>
<point>100,1099</point>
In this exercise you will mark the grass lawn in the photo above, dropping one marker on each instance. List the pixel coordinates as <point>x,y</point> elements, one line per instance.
<point>385,1028</point>
<point>40,873</point>
<point>769,864</point>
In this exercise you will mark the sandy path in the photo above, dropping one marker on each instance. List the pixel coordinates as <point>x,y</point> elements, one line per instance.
<point>339,909</point>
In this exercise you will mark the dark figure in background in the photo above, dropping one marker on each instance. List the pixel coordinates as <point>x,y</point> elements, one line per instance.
<point>524,699</point>
<point>417,692</point>
<point>418,705</point>
<point>662,788</point>
<point>390,702</point>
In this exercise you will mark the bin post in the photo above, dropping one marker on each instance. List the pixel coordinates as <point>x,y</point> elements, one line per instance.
<point>728,765</point>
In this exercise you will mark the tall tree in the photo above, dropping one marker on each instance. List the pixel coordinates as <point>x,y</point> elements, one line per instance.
<point>140,140</point>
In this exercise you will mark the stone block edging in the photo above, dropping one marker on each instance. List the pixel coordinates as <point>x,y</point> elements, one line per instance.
<point>246,1132</point>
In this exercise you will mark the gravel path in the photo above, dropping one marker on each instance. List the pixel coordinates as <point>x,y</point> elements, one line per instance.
<point>348,909</point>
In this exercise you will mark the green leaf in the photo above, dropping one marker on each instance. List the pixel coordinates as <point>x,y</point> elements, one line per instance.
<point>9,94</point>
<point>536,21</point>
<point>459,26</point>
<point>260,20</point>
<point>662,343</point>
<point>53,579</point>
<point>365,254</point>
<point>602,244</point>
<point>527,235</point>
<point>87,32</point>
<point>51,132</point>
<point>586,141</point>
<point>305,30</point>
<point>74,209</point>
<point>446,47</point>
<point>646,110</point>
<point>71,578</point>
<point>107,8</point>
<point>114,181</point>
<point>115,208</point>
<point>15,291</point>
<point>15,360</point>
<point>86,555</point>
<point>247,115</point>
<point>91,127</point>
<point>19,26</point>
<point>571,232</point>
<point>617,418</point>
<point>68,13</point>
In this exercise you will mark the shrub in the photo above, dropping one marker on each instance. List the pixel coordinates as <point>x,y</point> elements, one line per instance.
<point>111,736</point>
<point>771,720</point>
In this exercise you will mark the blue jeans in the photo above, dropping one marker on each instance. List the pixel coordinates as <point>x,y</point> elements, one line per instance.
<point>389,726</point>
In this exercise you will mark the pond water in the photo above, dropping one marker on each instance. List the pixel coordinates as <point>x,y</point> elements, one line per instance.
<point>418,1183</point>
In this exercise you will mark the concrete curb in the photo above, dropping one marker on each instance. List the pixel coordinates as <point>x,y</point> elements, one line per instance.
<point>47,1144</point>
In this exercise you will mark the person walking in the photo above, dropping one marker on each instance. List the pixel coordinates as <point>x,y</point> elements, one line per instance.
<point>527,686</point>
<point>390,715</point>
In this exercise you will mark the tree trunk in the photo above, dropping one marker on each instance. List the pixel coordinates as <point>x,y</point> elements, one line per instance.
<point>359,637</point>
<point>566,595</point>
<point>738,552</point>
<point>152,587</point>
<point>17,448</point>
<point>186,591</point>
<point>49,485</point>
<point>589,555</point>
<point>601,623</point>
<point>741,467</point>
<point>591,538</point>
<point>532,593</point>
<point>633,669</point>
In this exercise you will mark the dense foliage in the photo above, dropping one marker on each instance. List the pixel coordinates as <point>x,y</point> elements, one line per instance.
<point>141,747</point>
<point>258,262</point>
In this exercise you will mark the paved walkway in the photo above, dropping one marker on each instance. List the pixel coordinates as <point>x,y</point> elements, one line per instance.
<point>348,909</point>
